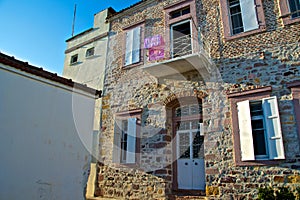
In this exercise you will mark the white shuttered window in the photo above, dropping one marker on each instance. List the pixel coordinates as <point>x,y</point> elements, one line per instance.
<point>133,43</point>
<point>243,15</point>
<point>260,130</point>
<point>124,149</point>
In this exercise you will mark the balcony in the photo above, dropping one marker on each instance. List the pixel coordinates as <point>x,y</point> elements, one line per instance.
<point>185,56</point>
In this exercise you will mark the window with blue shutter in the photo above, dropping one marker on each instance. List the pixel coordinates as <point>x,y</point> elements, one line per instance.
<point>260,130</point>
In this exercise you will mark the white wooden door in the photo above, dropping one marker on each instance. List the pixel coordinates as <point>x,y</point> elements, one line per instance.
<point>190,163</point>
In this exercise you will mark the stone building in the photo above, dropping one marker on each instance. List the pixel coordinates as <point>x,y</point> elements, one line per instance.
<point>201,98</point>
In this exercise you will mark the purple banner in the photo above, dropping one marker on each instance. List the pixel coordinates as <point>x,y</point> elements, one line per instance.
<point>156,54</point>
<point>154,41</point>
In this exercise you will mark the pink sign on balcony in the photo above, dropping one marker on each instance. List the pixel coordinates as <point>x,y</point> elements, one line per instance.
<point>156,54</point>
<point>154,41</point>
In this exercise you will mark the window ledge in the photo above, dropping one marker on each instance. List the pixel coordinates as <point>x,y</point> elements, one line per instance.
<point>258,162</point>
<point>126,67</point>
<point>75,63</point>
<point>249,92</point>
<point>261,29</point>
<point>124,165</point>
<point>91,57</point>
<point>287,20</point>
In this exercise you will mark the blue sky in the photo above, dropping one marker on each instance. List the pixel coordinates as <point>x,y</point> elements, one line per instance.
<point>35,31</point>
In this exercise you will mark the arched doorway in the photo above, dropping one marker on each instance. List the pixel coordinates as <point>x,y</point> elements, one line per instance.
<point>188,147</point>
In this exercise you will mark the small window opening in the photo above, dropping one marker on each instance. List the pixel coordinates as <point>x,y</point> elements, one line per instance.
<point>180,12</point>
<point>90,52</point>
<point>74,59</point>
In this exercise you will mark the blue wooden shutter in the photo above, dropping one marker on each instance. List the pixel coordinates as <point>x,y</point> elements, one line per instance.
<point>249,15</point>
<point>131,141</point>
<point>273,127</point>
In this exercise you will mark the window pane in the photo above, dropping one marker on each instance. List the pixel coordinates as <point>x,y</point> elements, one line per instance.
<point>295,6</point>
<point>237,23</point>
<point>175,14</point>
<point>178,112</point>
<point>186,11</point>
<point>196,109</point>
<point>185,111</point>
<point>257,124</point>
<point>195,124</point>
<point>256,108</point>
<point>184,145</point>
<point>89,52</point>
<point>74,59</point>
<point>235,10</point>
<point>198,149</point>
<point>184,125</point>
<point>259,142</point>
<point>233,2</point>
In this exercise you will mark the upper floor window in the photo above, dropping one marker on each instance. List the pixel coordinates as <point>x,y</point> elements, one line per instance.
<point>295,88</point>
<point>290,11</point>
<point>181,38</point>
<point>90,52</point>
<point>182,34</point>
<point>180,12</point>
<point>133,46</point>
<point>242,17</point>
<point>74,59</point>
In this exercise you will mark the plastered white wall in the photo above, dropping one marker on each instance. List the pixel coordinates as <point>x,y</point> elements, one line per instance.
<point>45,139</point>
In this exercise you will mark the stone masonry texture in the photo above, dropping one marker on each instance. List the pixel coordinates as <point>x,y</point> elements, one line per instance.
<point>269,58</point>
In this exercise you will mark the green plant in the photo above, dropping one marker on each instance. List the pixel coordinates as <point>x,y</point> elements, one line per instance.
<point>284,194</point>
<point>298,193</point>
<point>266,193</point>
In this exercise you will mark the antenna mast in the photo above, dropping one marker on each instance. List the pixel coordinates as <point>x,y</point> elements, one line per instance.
<point>73,24</point>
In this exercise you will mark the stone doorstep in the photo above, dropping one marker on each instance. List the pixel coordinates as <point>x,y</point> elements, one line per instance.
<point>100,198</point>
<point>170,198</point>
<point>189,197</point>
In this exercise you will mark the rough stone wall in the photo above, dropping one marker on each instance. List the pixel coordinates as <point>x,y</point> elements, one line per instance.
<point>270,58</point>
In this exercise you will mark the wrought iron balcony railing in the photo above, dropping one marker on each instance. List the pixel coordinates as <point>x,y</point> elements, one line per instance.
<point>181,46</point>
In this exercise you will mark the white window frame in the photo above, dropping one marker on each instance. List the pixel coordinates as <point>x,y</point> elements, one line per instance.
<point>273,132</point>
<point>249,16</point>
<point>171,32</point>
<point>133,46</point>
<point>72,62</point>
<point>131,131</point>
<point>88,52</point>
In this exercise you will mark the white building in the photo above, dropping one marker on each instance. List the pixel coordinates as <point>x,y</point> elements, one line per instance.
<point>46,131</point>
